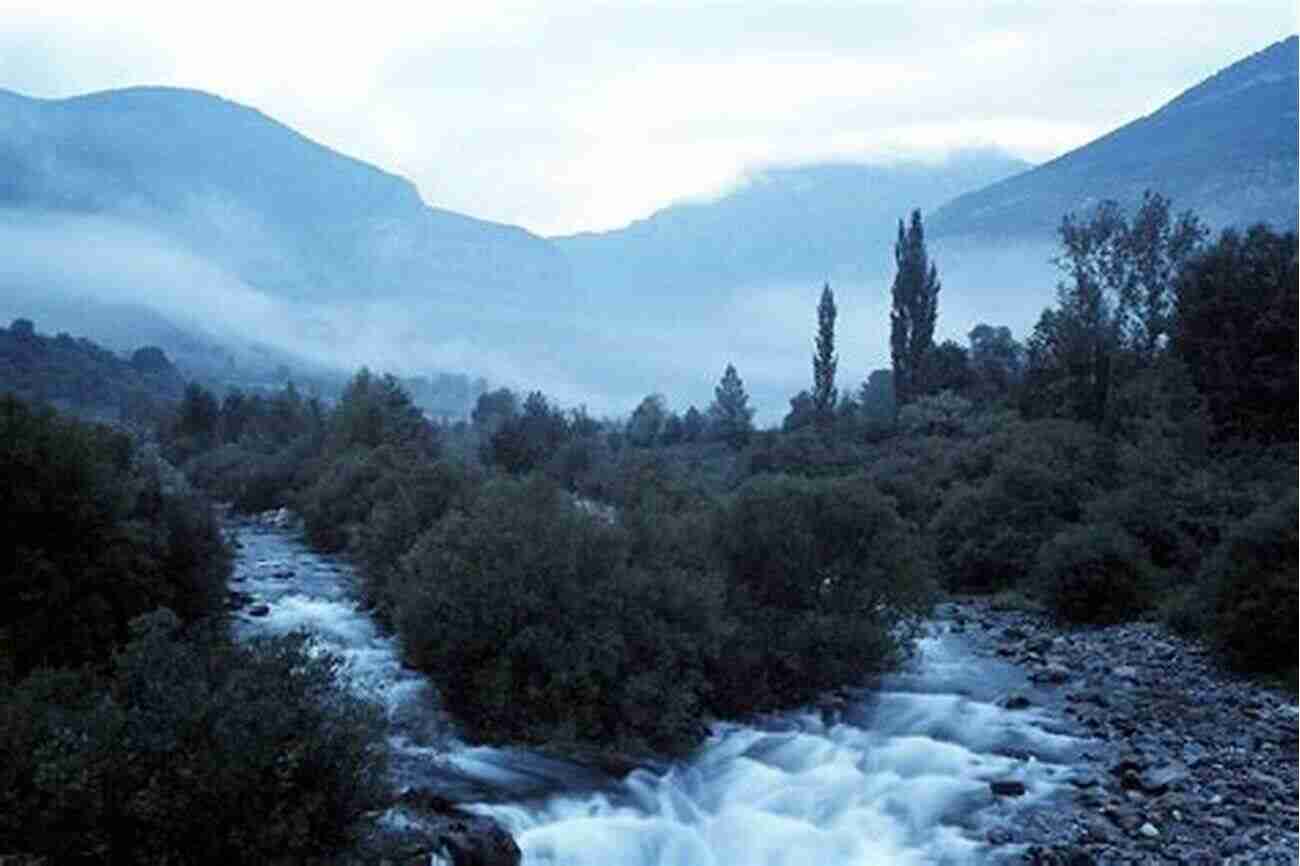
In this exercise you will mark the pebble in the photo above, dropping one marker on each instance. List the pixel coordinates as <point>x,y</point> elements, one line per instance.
<point>1170,739</point>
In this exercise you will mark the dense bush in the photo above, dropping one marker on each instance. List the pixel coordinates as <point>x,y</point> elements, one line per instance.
<point>1095,573</point>
<point>522,609</point>
<point>96,539</point>
<point>194,750</point>
<point>1252,586</point>
<point>822,573</point>
<point>987,534</point>
<point>407,501</point>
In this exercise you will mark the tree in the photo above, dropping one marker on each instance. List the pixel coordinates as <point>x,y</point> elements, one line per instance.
<point>876,396</point>
<point>731,417</point>
<point>1236,331</point>
<point>948,369</point>
<point>915,305</point>
<point>802,413</point>
<point>996,360</point>
<point>527,441</point>
<point>1113,312</point>
<point>493,409</point>
<point>693,425</point>
<point>825,361</point>
<point>647,421</point>
<point>1156,248</point>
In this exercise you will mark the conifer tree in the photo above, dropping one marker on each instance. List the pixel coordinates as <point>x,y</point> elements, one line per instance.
<point>824,362</point>
<point>915,305</point>
<point>732,418</point>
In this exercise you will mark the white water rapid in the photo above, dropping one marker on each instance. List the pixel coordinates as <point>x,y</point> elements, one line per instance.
<point>896,775</point>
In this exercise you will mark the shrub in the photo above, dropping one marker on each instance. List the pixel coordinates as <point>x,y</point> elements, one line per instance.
<point>502,603</point>
<point>340,499</point>
<point>96,540</point>
<point>987,534</point>
<point>1094,574</point>
<point>406,504</point>
<point>941,414</point>
<point>195,750</point>
<point>1252,585</point>
<point>822,573</point>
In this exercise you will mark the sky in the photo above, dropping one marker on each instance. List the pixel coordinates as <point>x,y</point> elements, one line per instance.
<point>586,116</point>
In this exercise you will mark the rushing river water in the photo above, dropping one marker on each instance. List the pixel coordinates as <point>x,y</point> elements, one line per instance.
<point>897,775</point>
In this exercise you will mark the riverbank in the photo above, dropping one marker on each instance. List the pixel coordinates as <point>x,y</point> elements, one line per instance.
<point>1185,764</point>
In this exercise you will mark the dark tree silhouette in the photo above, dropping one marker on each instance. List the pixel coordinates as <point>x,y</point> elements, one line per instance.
<point>916,299</point>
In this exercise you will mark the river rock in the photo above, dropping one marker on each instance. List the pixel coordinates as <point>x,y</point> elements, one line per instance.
<point>1054,673</point>
<point>1015,701</point>
<point>260,609</point>
<point>462,838</point>
<point>1007,788</point>
<point>1160,779</point>
<point>1207,759</point>
<point>1062,855</point>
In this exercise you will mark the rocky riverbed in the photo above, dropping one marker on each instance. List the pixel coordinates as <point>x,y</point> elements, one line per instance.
<point>1185,764</point>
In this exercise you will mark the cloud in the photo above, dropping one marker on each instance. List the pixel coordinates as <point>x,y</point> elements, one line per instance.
<point>576,115</point>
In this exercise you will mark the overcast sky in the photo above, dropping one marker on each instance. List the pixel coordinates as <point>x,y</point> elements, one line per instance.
<point>589,115</point>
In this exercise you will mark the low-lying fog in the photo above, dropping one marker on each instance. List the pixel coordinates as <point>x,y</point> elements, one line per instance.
<point>61,270</point>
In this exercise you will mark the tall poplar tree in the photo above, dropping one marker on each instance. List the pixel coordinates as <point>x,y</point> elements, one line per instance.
<point>824,392</point>
<point>916,304</point>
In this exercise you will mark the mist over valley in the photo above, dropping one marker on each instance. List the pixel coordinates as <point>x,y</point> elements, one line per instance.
<point>245,235</point>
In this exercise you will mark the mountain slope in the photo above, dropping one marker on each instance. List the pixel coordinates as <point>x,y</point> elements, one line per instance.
<point>793,225</point>
<point>282,213</point>
<point>1225,148</point>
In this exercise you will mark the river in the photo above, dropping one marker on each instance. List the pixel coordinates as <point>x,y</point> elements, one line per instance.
<point>900,774</point>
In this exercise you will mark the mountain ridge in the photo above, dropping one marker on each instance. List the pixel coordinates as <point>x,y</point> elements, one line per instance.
<point>1224,148</point>
<point>279,210</point>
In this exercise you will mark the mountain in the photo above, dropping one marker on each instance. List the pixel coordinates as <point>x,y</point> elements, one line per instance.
<point>1226,149</point>
<point>792,225</point>
<point>283,214</point>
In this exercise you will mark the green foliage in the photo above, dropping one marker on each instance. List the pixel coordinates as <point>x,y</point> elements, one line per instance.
<point>79,375</point>
<point>915,307</point>
<point>988,531</point>
<point>522,609</point>
<point>996,362</point>
<point>824,393</point>
<point>941,414</point>
<point>822,573</point>
<point>1236,329</point>
<point>646,425</point>
<point>947,368</point>
<point>1251,584</point>
<point>377,411</point>
<point>97,540</point>
<point>1095,573</point>
<point>407,501</point>
<point>730,417</point>
<point>527,441</point>
<point>1114,310</point>
<point>194,750</point>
